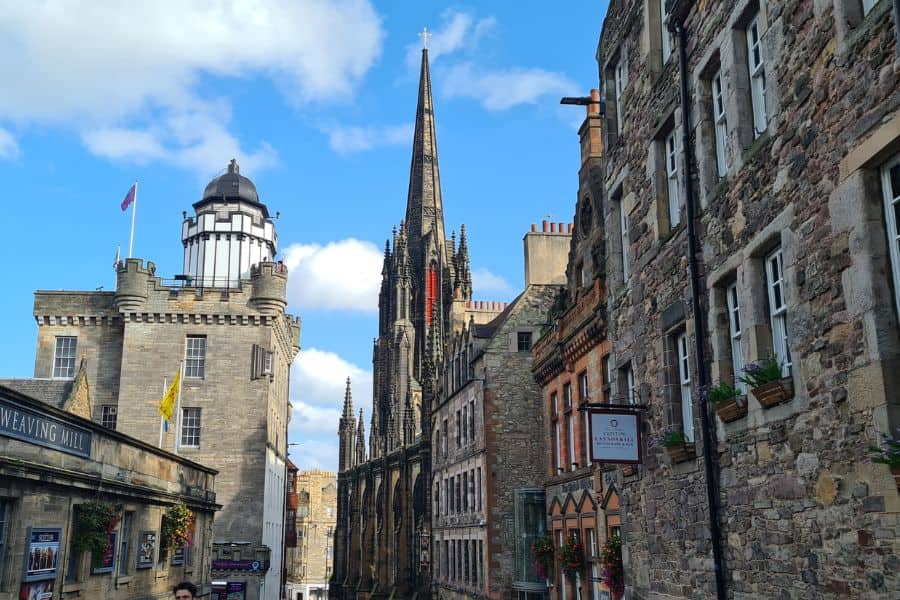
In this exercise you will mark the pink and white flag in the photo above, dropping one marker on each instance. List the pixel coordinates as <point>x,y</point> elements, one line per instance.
<point>129,197</point>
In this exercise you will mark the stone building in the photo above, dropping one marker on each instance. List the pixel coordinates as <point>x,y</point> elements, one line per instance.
<point>310,563</point>
<point>486,467</point>
<point>383,529</point>
<point>54,465</point>
<point>571,364</point>
<point>223,318</point>
<point>751,176</point>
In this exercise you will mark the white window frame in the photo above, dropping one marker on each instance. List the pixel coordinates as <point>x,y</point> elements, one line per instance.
<point>757,69</point>
<point>109,414</point>
<point>732,300</point>
<point>623,226</point>
<point>64,353</point>
<point>570,435</point>
<point>721,124</point>
<point>778,309</point>
<point>560,457</point>
<point>684,381</point>
<point>670,150</point>
<point>867,6</point>
<point>561,539</point>
<point>630,391</point>
<point>665,38</point>
<point>891,208</point>
<point>195,357</point>
<point>191,424</point>
<point>620,79</point>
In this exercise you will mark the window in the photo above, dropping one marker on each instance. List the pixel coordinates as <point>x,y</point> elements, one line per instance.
<point>627,390</point>
<point>108,416</point>
<point>558,460</point>
<point>778,310</point>
<point>5,506</point>
<point>672,179</point>
<point>437,499</point>
<point>570,425</point>
<point>465,491</point>
<point>464,423</point>
<point>607,378</point>
<point>481,560</point>
<point>623,226</point>
<point>721,125</point>
<point>190,427</point>
<point>125,542</point>
<point>757,69</point>
<point>666,38</point>
<point>472,420</point>
<point>595,569</point>
<point>585,416</point>
<point>868,5</point>
<point>195,357</point>
<point>890,183</point>
<point>444,438</point>
<point>478,488</point>
<point>620,80</point>
<point>684,380</point>
<point>459,427</point>
<point>523,341</point>
<point>64,360</point>
<point>734,333</point>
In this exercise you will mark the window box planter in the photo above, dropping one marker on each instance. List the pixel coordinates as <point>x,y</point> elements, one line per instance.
<point>774,393</point>
<point>681,453</point>
<point>733,409</point>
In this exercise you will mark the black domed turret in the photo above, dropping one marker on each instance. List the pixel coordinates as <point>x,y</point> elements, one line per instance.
<point>232,186</point>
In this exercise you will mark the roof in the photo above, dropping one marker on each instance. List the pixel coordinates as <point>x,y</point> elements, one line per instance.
<point>49,391</point>
<point>232,186</point>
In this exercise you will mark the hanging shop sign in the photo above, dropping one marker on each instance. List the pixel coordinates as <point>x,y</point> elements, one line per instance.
<point>615,436</point>
<point>41,429</point>
<point>42,554</point>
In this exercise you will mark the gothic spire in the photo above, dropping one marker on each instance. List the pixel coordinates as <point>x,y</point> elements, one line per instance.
<point>348,402</point>
<point>424,208</point>
<point>463,271</point>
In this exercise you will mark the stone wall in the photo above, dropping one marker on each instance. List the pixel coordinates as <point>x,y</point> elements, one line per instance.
<point>801,509</point>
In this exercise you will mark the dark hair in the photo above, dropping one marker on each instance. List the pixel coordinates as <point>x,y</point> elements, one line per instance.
<point>186,586</point>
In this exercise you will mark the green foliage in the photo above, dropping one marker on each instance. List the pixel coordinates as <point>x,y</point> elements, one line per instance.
<point>542,551</point>
<point>93,523</point>
<point>571,557</point>
<point>177,527</point>
<point>613,574</point>
<point>888,453</point>
<point>761,373</point>
<point>721,393</point>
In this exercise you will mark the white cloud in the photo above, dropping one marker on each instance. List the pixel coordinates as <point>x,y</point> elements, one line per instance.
<point>103,69</point>
<point>318,381</point>
<point>8,146</point>
<point>315,454</point>
<point>346,140</point>
<point>485,282</point>
<point>459,30</point>
<point>502,89</point>
<point>342,275</point>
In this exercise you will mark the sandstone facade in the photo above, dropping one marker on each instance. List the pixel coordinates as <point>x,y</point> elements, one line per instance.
<point>309,565</point>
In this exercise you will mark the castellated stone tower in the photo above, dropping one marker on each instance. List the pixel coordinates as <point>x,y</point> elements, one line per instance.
<point>224,316</point>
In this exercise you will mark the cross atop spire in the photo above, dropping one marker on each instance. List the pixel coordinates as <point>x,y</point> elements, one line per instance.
<point>425,34</point>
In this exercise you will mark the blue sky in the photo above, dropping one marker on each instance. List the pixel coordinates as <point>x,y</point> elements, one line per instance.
<point>316,99</point>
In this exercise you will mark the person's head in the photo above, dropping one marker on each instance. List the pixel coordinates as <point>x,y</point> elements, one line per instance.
<point>185,591</point>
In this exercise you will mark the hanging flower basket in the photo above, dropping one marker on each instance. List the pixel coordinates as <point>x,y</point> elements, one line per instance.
<point>542,551</point>
<point>571,557</point>
<point>94,521</point>
<point>613,572</point>
<point>177,527</point>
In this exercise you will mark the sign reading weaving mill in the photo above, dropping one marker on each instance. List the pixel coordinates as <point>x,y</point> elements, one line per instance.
<point>41,429</point>
<point>615,436</point>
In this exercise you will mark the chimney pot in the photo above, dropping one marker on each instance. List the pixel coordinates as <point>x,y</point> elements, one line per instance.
<point>544,226</point>
<point>533,227</point>
<point>560,228</point>
<point>552,227</point>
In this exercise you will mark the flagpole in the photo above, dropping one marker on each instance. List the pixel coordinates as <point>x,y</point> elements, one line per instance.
<point>178,410</point>
<point>162,419</point>
<point>133,212</point>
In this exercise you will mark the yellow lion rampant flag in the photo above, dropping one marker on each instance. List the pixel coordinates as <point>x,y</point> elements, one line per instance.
<point>167,405</point>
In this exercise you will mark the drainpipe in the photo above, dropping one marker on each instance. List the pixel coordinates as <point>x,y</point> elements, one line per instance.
<point>897,24</point>
<point>712,493</point>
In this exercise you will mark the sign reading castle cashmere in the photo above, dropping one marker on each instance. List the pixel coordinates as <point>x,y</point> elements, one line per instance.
<point>384,517</point>
<point>615,436</point>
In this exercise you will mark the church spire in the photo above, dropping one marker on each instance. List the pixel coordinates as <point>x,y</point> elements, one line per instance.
<point>463,270</point>
<point>348,402</point>
<point>424,208</point>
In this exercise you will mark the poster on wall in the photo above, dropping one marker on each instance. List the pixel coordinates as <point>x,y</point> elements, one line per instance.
<point>42,554</point>
<point>178,556</point>
<point>37,590</point>
<point>146,549</point>
<point>235,590</point>
<point>105,563</point>
<point>615,436</point>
